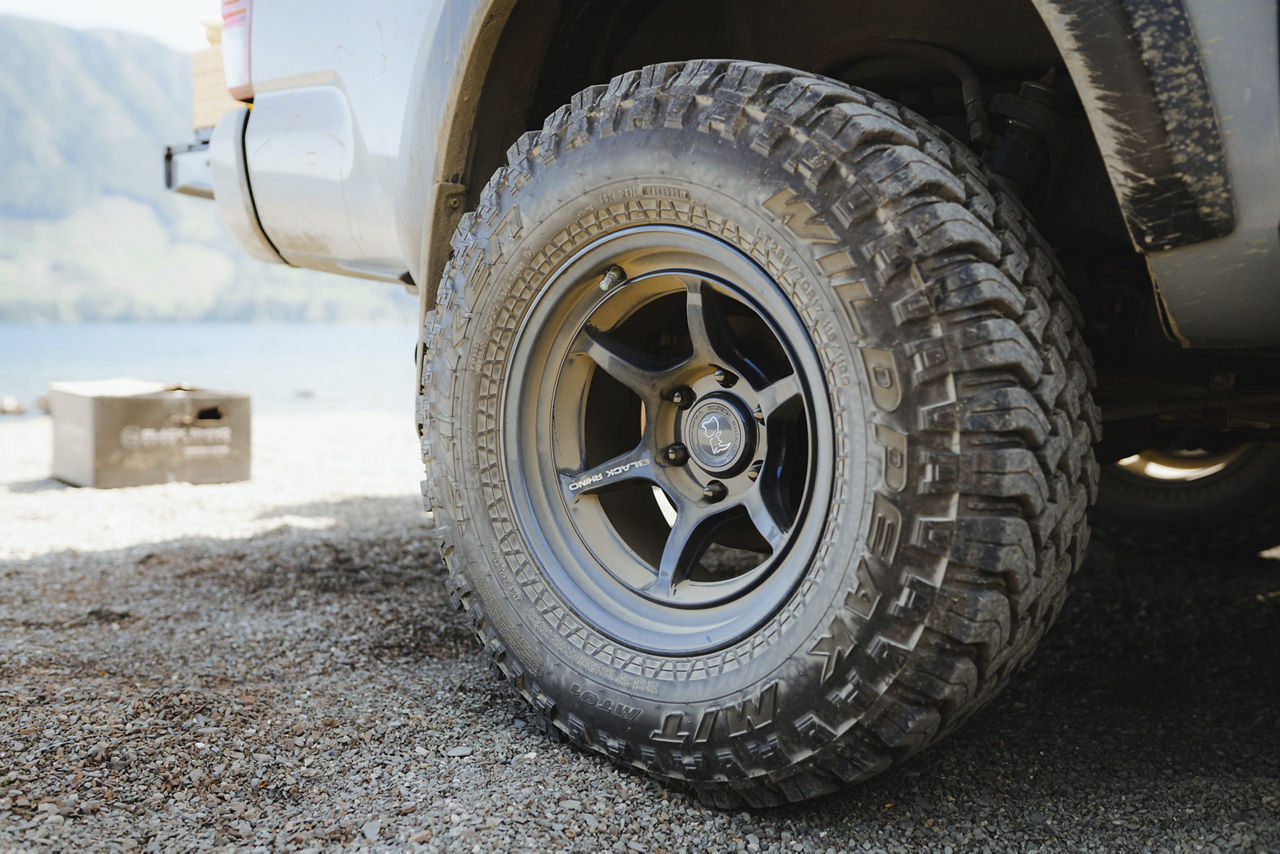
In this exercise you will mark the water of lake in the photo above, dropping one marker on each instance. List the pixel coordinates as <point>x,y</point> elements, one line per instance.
<point>286,367</point>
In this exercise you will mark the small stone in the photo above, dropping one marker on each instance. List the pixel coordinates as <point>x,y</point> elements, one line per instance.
<point>371,829</point>
<point>458,752</point>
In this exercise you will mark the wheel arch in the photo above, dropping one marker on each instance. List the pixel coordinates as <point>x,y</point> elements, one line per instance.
<point>524,58</point>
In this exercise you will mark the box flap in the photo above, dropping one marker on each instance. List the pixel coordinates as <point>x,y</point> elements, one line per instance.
<point>118,387</point>
<point>130,387</point>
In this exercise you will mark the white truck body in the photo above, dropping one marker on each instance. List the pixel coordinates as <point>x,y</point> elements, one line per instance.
<point>356,149</point>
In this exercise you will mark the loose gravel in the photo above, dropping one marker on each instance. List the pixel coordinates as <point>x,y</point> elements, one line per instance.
<point>275,665</point>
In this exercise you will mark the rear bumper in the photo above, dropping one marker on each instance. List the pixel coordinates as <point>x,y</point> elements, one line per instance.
<point>213,167</point>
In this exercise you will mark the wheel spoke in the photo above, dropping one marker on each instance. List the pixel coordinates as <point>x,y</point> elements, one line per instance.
<point>685,544</point>
<point>636,370</point>
<point>636,464</point>
<point>772,397</point>
<point>710,335</point>
<point>763,518</point>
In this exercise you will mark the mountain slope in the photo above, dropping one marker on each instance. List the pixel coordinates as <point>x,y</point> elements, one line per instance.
<point>87,230</point>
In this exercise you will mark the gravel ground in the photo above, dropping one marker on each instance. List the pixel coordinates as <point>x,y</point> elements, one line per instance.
<point>275,664</point>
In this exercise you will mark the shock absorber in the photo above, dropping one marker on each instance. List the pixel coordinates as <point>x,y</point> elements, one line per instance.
<point>1032,133</point>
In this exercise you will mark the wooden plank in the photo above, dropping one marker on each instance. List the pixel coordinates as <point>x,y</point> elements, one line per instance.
<point>209,95</point>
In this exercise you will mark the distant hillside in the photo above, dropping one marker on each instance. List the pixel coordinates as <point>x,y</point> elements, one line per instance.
<point>87,230</point>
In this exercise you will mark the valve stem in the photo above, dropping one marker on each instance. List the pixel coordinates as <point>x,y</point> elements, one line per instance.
<point>612,276</point>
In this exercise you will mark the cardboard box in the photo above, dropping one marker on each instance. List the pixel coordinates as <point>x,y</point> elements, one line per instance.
<point>127,432</point>
<point>209,95</point>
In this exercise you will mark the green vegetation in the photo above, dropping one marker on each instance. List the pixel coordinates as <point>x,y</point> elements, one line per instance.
<point>87,230</point>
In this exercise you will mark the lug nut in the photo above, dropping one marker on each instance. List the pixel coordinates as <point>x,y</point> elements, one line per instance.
<point>612,276</point>
<point>677,454</point>
<point>682,397</point>
<point>714,491</point>
<point>725,378</point>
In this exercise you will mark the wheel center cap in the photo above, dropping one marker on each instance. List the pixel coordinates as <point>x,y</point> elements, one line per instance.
<point>717,434</point>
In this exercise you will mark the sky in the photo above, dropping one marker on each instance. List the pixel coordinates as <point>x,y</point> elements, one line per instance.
<point>174,22</point>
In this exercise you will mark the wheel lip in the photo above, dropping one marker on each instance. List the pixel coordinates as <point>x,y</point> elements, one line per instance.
<point>699,630</point>
<point>1168,468</point>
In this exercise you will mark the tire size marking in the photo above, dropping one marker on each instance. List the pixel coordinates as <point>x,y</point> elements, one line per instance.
<point>738,719</point>
<point>652,191</point>
<point>604,704</point>
<point>848,284</point>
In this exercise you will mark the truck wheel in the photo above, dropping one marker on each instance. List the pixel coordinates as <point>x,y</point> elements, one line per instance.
<point>757,428</point>
<point>1220,501</point>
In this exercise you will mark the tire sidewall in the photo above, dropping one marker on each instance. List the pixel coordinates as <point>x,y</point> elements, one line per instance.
<point>855,584</point>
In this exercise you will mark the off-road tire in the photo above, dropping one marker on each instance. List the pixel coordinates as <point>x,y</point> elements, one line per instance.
<point>961,423</point>
<point>1232,511</point>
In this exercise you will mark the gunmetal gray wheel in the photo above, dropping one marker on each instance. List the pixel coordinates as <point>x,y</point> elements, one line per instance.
<point>757,429</point>
<point>1181,466</point>
<point>1220,499</point>
<point>671,423</point>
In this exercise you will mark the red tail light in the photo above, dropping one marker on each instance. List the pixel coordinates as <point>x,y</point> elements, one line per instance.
<point>237,16</point>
